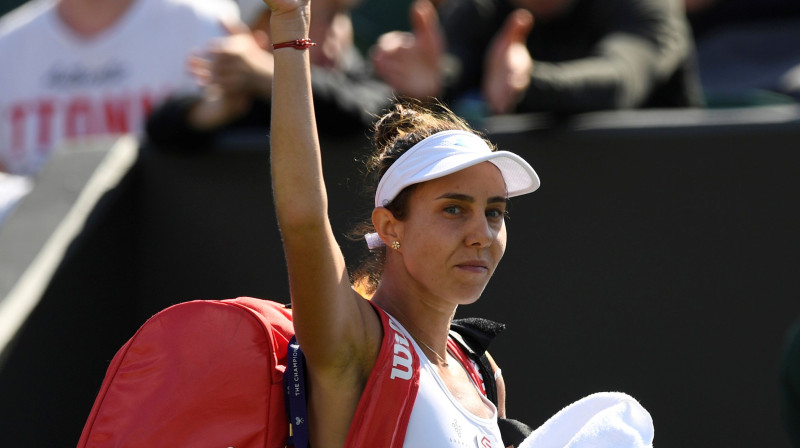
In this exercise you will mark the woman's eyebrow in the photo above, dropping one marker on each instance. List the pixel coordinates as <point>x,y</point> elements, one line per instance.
<point>457,197</point>
<point>470,199</point>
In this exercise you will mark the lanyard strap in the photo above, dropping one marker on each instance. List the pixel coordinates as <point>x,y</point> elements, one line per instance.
<point>294,382</point>
<point>468,364</point>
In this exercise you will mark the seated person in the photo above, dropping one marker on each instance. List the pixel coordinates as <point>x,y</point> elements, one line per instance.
<point>582,55</point>
<point>237,72</point>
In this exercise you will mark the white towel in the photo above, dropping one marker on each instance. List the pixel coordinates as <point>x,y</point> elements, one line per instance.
<point>601,420</point>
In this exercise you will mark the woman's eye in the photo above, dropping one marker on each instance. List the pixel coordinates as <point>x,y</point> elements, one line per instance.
<point>452,210</point>
<point>495,213</point>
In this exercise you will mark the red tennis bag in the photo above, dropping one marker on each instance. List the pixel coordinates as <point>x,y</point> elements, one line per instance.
<point>210,373</point>
<point>198,374</point>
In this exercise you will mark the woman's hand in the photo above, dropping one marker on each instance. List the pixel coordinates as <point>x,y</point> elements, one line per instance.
<point>279,7</point>
<point>508,66</point>
<point>410,62</point>
<point>234,70</point>
<point>240,64</point>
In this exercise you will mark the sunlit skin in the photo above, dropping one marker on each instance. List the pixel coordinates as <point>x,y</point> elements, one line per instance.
<point>452,239</point>
<point>454,235</point>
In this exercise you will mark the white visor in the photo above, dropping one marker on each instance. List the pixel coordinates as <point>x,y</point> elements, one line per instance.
<point>448,152</point>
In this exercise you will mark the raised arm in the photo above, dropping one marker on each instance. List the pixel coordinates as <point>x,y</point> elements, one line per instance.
<point>330,319</point>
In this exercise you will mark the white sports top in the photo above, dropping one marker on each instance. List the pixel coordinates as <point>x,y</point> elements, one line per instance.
<point>439,421</point>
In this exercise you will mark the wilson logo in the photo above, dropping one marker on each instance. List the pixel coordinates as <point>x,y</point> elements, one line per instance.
<point>401,362</point>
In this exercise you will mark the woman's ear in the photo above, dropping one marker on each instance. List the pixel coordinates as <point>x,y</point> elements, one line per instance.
<point>388,227</point>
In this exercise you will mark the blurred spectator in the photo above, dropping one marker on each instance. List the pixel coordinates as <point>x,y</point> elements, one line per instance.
<point>237,71</point>
<point>373,18</point>
<point>746,50</point>
<point>77,68</point>
<point>582,55</point>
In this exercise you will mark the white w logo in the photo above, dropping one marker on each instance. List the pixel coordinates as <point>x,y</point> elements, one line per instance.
<point>401,363</point>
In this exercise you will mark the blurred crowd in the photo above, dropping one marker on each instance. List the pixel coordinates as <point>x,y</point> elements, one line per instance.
<point>180,72</point>
<point>90,67</point>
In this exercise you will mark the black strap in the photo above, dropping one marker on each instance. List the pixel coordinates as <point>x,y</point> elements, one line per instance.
<point>474,335</point>
<point>294,383</point>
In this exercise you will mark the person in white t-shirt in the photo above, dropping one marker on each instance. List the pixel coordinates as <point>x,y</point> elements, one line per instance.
<point>80,68</point>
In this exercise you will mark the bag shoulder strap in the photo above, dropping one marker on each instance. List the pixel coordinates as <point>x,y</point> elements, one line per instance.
<point>394,379</point>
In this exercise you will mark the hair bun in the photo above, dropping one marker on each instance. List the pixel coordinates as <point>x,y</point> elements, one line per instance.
<point>402,118</point>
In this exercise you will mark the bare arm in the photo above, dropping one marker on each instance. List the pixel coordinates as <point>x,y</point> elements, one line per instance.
<point>333,324</point>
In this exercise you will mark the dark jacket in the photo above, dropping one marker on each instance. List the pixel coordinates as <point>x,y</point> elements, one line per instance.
<point>599,54</point>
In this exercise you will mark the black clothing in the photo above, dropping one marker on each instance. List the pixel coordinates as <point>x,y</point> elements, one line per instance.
<point>599,54</point>
<point>732,13</point>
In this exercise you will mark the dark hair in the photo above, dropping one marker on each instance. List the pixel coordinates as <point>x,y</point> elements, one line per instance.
<point>404,125</point>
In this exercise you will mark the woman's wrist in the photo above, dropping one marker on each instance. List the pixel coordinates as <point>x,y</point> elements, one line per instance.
<point>291,25</point>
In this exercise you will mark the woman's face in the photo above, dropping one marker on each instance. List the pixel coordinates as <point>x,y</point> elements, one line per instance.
<point>454,234</point>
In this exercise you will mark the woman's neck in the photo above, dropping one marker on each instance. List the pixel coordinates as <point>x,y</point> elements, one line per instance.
<point>427,319</point>
<point>88,18</point>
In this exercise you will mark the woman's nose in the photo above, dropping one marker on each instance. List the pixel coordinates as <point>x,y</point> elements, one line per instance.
<point>480,233</point>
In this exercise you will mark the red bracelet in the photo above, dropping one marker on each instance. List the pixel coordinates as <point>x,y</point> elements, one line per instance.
<point>298,44</point>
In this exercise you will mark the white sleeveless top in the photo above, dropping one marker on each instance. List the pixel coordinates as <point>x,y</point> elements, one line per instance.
<point>439,421</point>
